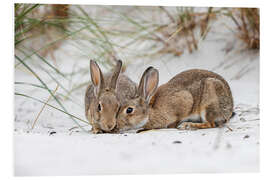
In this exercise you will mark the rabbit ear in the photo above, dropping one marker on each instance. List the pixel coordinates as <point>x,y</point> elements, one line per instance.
<point>141,84</point>
<point>149,83</point>
<point>115,75</point>
<point>96,77</point>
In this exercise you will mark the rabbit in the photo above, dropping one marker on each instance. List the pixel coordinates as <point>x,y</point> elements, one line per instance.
<point>104,96</point>
<point>192,99</point>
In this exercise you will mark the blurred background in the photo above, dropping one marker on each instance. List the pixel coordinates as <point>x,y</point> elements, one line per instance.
<point>54,43</point>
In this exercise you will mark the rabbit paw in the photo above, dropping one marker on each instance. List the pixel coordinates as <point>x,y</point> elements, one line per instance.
<point>96,131</point>
<point>186,126</point>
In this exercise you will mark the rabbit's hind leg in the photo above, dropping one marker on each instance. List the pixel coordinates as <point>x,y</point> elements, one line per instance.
<point>210,118</point>
<point>210,113</point>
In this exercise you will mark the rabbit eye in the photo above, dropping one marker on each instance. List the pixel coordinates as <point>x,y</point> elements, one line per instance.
<point>129,110</point>
<point>99,107</point>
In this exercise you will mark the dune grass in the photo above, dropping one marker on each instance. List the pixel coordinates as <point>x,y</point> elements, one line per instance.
<point>247,21</point>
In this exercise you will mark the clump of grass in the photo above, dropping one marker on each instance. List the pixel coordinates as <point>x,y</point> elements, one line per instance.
<point>39,31</point>
<point>40,24</point>
<point>247,21</point>
<point>180,32</point>
<point>182,29</point>
<point>94,35</point>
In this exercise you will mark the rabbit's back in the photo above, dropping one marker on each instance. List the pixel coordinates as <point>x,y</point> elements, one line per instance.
<point>190,80</point>
<point>182,96</point>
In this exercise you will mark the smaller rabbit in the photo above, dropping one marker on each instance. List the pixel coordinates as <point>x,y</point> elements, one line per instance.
<point>192,99</point>
<point>104,96</point>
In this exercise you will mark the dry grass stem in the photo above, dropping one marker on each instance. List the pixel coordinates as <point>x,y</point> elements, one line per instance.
<point>44,105</point>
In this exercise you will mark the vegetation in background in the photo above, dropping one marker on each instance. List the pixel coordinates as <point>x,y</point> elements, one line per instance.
<point>37,25</point>
<point>180,33</point>
<point>39,31</point>
<point>247,21</point>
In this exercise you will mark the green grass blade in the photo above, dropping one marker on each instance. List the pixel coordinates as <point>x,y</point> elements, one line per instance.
<point>24,95</point>
<point>50,44</point>
<point>23,14</point>
<point>42,87</point>
<point>51,66</point>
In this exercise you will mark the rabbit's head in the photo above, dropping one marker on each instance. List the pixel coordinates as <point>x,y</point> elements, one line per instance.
<point>133,114</point>
<point>106,104</point>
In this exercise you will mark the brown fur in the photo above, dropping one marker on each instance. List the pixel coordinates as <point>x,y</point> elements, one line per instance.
<point>114,91</point>
<point>193,92</point>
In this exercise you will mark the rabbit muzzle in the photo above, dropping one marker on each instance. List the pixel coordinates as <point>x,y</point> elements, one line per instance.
<point>108,126</point>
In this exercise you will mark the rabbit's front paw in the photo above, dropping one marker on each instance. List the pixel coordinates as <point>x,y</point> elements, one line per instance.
<point>96,131</point>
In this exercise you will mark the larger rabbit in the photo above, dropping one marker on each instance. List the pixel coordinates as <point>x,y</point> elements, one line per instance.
<point>104,96</point>
<point>192,99</point>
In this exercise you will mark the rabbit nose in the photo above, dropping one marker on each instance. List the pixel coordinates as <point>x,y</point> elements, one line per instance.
<point>110,126</point>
